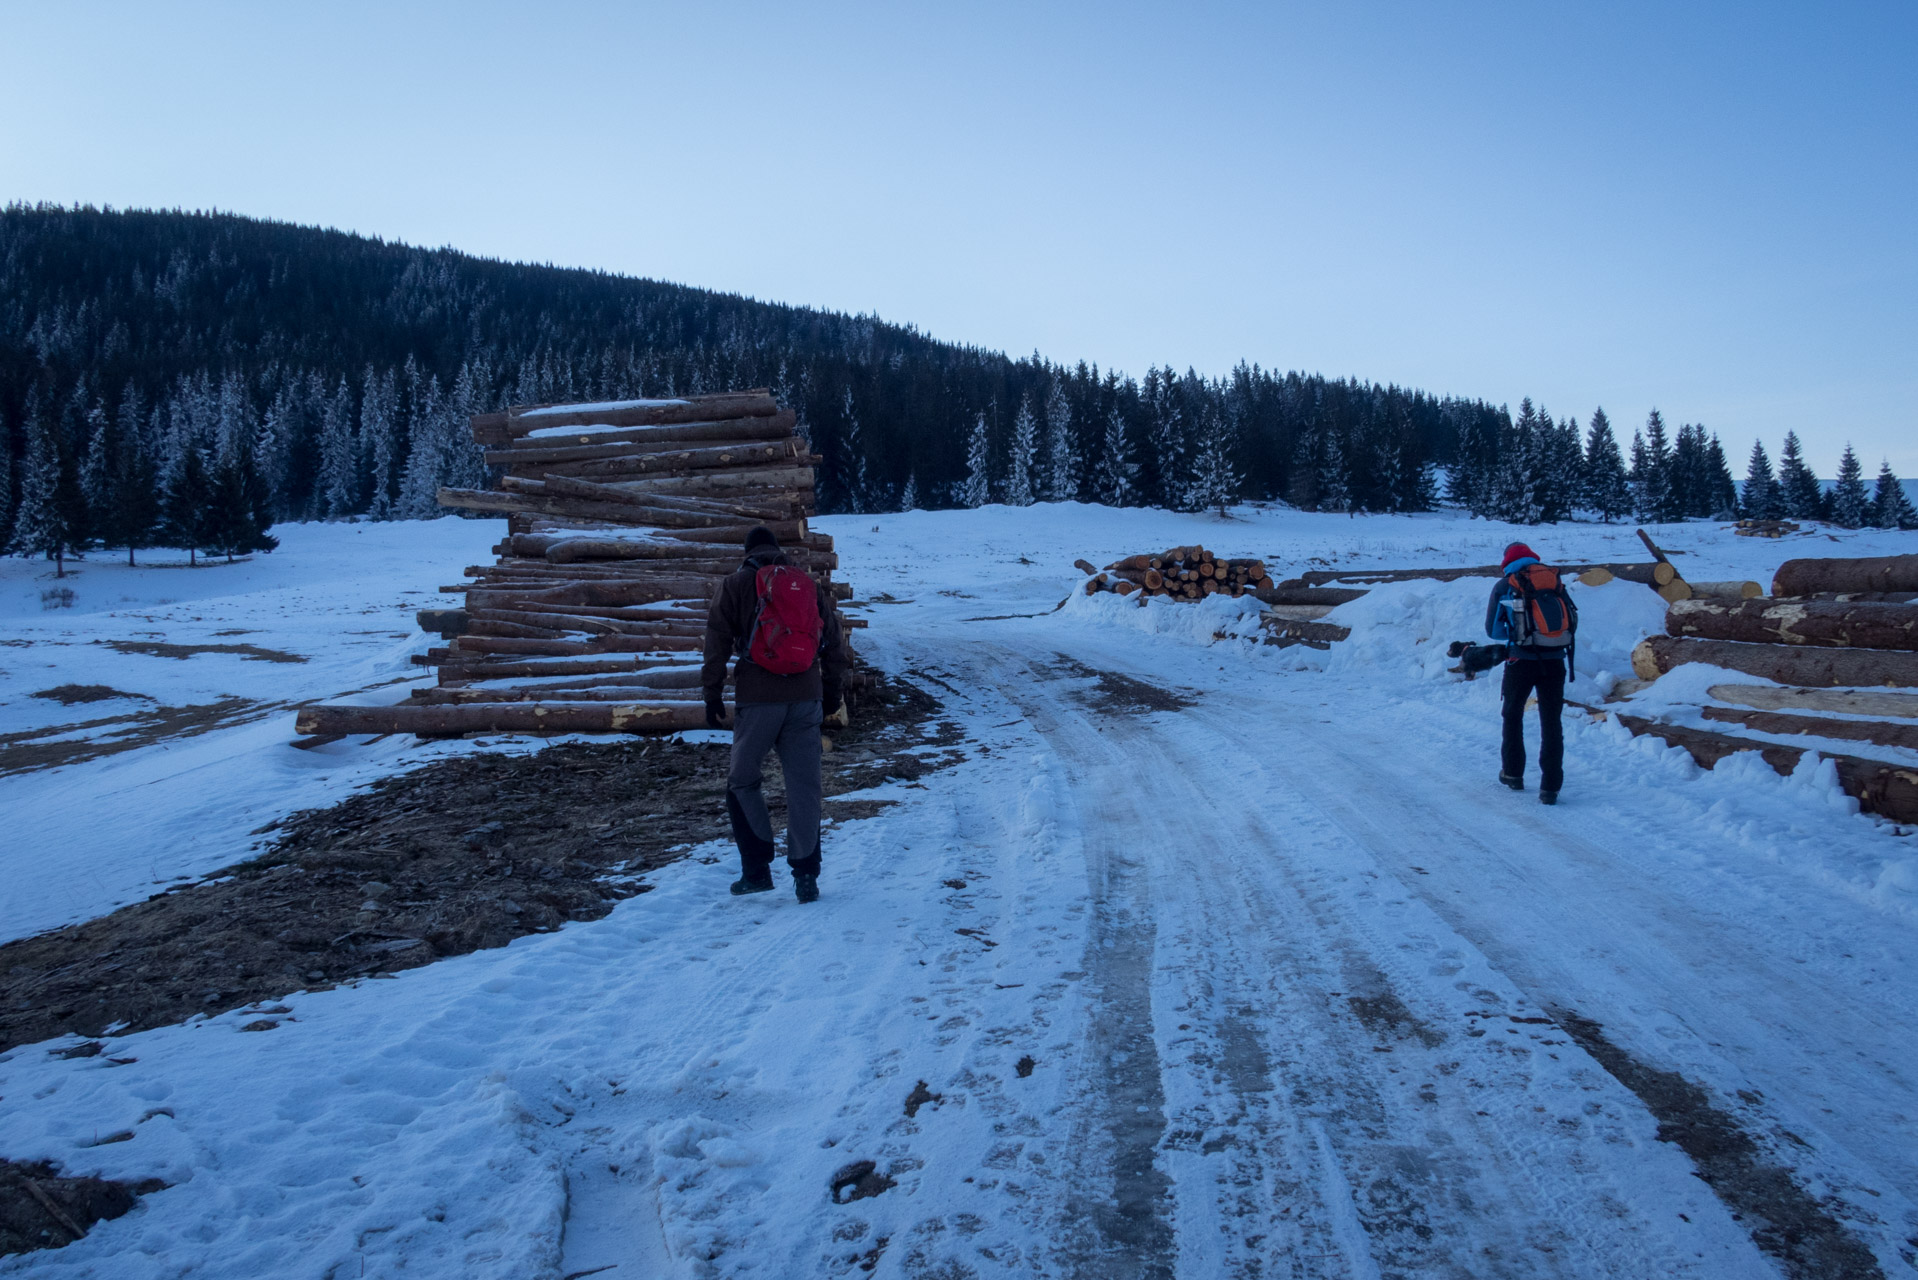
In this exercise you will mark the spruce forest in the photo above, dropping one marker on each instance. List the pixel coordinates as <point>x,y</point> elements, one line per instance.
<point>187,379</point>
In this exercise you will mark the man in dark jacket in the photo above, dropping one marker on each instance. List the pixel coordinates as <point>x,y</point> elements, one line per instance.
<point>772,712</point>
<point>1528,669</point>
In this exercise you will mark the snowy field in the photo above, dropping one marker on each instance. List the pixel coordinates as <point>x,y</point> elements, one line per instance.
<point>1211,959</point>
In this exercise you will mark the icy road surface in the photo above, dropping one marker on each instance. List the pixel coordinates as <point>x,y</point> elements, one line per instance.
<point>1210,960</point>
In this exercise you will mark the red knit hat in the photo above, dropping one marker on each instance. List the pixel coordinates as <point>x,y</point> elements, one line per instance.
<point>1517,551</point>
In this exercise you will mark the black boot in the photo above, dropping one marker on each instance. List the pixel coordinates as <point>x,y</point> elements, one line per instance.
<point>1514,781</point>
<point>761,883</point>
<point>806,888</point>
<point>1548,797</point>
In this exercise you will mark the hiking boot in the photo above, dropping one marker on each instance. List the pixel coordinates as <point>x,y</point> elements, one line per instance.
<point>806,888</point>
<point>1548,797</point>
<point>1512,780</point>
<point>753,884</point>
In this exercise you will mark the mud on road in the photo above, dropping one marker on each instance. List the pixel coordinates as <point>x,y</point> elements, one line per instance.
<point>456,856</point>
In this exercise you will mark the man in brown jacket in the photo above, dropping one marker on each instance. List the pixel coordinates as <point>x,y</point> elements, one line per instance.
<point>771,712</point>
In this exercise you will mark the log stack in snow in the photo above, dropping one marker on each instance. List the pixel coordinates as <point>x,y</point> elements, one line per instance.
<point>622,518</point>
<point>1182,573</point>
<point>1831,627</point>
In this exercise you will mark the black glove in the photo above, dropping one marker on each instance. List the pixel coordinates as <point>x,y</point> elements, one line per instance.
<point>715,713</point>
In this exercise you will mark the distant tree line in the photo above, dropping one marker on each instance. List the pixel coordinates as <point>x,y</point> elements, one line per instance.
<point>190,378</point>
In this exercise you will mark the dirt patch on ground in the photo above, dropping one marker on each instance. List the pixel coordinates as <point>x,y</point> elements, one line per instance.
<point>1119,695</point>
<point>459,855</point>
<point>160,649</point>
<point>39,1209</point>
<point>1808,1237</point>
<point>53,746</point>
<point>68,695</point>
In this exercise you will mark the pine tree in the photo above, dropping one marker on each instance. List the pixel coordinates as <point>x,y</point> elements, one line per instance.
<point>1024,450</point>
<point>909,496</point>
<point>1651,471</point>
<point>1335,482</point>
<point>1215,478</point>
<point>1062,450</point>
<point>1803,496</point>
<point>1470,483</point>
<point>427,448</point>
<point>1761,499</point>
<point>6,478</point>
<point>1606,490</point>
<point>1891,506</point>
<point>1850,504</point>
<point>1517,482</point>
<point>339,480</point>
<point>188,506</point>
<point>976,489</point>
<point>42,524</point>
<point>1112,482</point>
<point>379,442</point>
<point>1721,491</point>
<point>1165,434</point>
<point>852,457</point>
<point>237,514</point>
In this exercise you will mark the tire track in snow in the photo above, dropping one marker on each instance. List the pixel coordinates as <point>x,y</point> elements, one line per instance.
<point>1424,1198</point>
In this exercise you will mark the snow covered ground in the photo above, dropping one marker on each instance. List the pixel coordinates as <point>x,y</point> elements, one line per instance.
<point>1211,959</point>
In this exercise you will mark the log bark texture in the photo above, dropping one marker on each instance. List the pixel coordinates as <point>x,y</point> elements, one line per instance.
<point>1880,573</point>
<point>1803,665</point>
<point>1886,789</point>
<point>1833,624</point>
<point>757,403</point>
<point>640,460</point>
<point>1767,697</point>
<point>1876,732</point>
<point>512,717</point>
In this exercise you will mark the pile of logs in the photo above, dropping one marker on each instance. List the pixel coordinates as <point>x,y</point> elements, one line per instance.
<point>1829,626</point>
<point>622,519</point>
<point>1764,528</point>
<point>1183,573</point>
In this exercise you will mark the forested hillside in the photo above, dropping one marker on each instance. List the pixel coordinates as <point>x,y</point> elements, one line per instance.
<point>189,378</point>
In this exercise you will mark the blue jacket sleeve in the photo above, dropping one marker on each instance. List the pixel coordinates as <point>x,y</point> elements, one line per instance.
<point>1495,622</point>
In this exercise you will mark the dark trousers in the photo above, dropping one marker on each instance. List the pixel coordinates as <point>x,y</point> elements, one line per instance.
<point>791,729</point>
<point>1546,677</point>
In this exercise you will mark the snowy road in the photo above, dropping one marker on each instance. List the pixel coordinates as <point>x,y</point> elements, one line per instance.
<point>1329,957</point>
<point>1206,961</point>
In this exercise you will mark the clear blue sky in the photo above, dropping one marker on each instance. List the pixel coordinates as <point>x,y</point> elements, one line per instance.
<point>1707,207</point>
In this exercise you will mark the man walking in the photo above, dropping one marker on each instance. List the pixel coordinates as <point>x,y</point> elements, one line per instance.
<point>1531,611</point>
<point>782,627</point>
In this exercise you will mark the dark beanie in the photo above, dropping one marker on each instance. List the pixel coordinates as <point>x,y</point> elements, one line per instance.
<point>1517,551</point>
<point>759,536</point>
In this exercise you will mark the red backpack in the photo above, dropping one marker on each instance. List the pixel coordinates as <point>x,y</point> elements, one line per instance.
<point>786,631</point>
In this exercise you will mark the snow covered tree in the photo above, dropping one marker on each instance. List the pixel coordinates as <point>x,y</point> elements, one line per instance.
<point>1721,491</point>
<point>1062,448</point>
<point>909,496</point>
<point>976,489</point>
<point>1651,471</point>
<point>1470,484</point>
<point>379,438</point>
<point>852,458</point>
<point>1113,479</point>
<point>6,478</point>
<point>1335,481</point>
<point>1761,499</point>
<point>1890,506</point>
<point>1605,490</point>
<point>188,505</point>
<point>1517,480</point>
<point>237,512</point>
<point>1850,504</point>
<point>339,479</point>
<point>50,520</point>
<point>1165,434</point>
<point>1023,453</point>
<point>426,456</point>
<point>1798,485</point>
<point>1215,477</point>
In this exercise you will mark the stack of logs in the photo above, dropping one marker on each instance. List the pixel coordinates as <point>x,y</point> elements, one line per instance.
<point>622,519</point>
<point>1183,573</point>
<point>1832,630</point>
